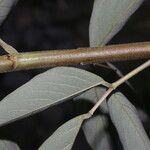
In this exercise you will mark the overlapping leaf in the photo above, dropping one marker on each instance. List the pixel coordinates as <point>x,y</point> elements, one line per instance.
<point>127,123</point>
<point>5,6</point>
<point>7,145</point>
<point>64,137</point>
<point>108,17</point>
<point>44,90</point>
<point>97,133</point>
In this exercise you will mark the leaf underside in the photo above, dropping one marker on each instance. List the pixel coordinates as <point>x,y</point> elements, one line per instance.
<point>5,6</point>
<point>127,123</point>
<point>7,145</point>
<point>108,17</point>
<point>53,86</point>
<point>64,137</point>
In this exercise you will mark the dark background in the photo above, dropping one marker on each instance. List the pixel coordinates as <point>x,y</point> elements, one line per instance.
<point>60,24</point>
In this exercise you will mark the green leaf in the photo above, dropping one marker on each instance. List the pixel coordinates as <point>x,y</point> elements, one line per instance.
<point>7,145</point>
<point>46,89</point>
<point>127,123</point>
<point>64,137</point>
<point>108,17</point>
<point>95,128</point>
<point>5,6</point>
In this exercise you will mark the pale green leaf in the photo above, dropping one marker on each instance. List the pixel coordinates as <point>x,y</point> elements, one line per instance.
<point>108,17</point>
<point>7,145</point>
<point>5,6</point>
<point>64,137</point>
<point>44,90</point>
<point>127,123</point>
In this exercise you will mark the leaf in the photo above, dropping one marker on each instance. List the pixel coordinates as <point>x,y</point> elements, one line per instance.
<point>108,17</point>
<point>5,6</point>
<point>8,48</point>
<point>127,123</point>
<point>64,137</point>
<point>97,134</point>
<point>7,145</point>
<point>95,128</point>
<point>49,88</point>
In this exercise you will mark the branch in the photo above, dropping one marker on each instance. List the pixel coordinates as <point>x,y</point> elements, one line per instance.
<point>43,59</point>
<point>117,83</point>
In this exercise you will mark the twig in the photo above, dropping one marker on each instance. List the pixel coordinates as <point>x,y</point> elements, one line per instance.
<point>131,74</point>
<point>114,85</point>
<point>43,59</point>
<point>107,93</point>
<point>119,73</point>
<point>115,69</point>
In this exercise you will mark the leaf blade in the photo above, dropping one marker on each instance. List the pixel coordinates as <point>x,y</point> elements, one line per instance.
<point>8,145</point>
<point>5,6</point>
<point>64,137</point>
<point>108,18</point>
<point>130,129</point>
<point>49,88</point>
<point>96,133</point>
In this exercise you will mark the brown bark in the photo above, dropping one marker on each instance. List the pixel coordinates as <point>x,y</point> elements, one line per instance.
<point>43,59</point>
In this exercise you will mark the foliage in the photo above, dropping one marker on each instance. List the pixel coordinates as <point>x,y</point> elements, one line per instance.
<point>63,83</point>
